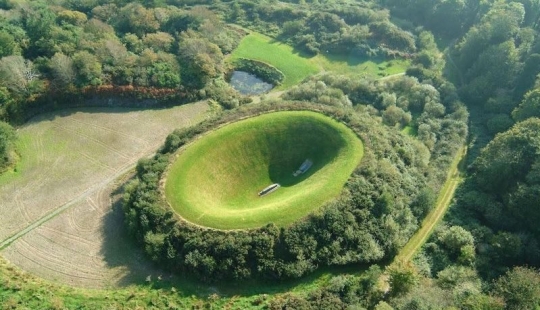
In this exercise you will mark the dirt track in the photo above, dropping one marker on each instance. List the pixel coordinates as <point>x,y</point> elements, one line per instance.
<point>57,217</point>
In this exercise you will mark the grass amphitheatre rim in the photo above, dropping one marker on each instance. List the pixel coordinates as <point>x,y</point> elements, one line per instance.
<point>214,181</point>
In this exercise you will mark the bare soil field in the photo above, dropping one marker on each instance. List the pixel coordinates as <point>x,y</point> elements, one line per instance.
<point>60,218</point>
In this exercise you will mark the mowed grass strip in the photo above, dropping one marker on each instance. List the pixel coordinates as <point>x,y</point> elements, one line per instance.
<point>259,47</point>
<point>214,182</point>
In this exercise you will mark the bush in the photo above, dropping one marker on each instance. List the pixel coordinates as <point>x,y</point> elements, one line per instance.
<point>7,138</point>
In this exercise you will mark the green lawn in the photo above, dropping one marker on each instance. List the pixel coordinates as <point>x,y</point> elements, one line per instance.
<point>259,47</point>
<point>215,181</point>
<point>353,65</point>
<point>297,66</point>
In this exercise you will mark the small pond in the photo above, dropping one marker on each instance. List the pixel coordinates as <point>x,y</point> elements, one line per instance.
<point>249,84</point>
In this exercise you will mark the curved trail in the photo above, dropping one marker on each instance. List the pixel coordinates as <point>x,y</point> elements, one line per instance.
<point>432,219</point>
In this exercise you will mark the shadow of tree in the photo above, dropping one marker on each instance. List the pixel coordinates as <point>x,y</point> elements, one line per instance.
<point>121,250</point>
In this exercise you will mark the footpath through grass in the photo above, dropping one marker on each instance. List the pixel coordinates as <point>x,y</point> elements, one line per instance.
<point>215,181</point>
<point>434,217</point>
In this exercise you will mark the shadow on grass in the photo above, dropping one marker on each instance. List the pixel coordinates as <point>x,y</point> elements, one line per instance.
<point>321,145</point>
<point>286,178</point>
<point>52,114</point>
<point>353,58</point>
<point>295,50</point>
<point>121,250</point>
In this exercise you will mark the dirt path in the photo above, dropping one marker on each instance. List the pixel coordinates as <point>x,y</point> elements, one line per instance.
<point>433,218</point>
<point>445,196</point>
<point>391,76</point>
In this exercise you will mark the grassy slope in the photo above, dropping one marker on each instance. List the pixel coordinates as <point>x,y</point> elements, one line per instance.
<point>296,66</point>
<point>215,181</point>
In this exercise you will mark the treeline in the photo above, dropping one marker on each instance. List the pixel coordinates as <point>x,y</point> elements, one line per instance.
<point>455,287</point>
<point>7,148</point>
<point>499,201</point>
<point>384,199</point>
<point>360,28</point>
<point>494,59</point>
<point>488,235</point>
<point>495,65</point>
<point>431,110</point>
<point>75,50</point>
<point>168,51</point>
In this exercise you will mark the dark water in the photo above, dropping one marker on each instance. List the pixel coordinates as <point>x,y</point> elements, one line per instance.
<point>249,84</point>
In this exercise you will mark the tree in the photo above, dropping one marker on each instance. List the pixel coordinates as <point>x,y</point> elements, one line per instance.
<point>18,75</point>
<point>159,41</point>
<point>154,245</point>
<point>455,238</point>
<point>8,46</point>
<point>63,69</point>
<point>528,74</point>
<point>482,302</point>
<point>447,18</point>
<point>203,60</point>
<point>383,306</point>
<point>423,202</point>
<point>137,19</point>
<point>164,74</point>
<point>508,157</point>
<point>499,25</point>
<point>520,288</point>
<point>72,17</point>
<point>499,123</point>
<point>403,277</point>
<point>496,67</point>
<point>394,115</point>
<point>7,137</point>
<point>507,248</point>
<point>453,276</point>
<point>529,106</point>
<point>88,68</point>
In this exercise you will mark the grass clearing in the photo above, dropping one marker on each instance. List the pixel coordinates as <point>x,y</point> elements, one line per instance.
<point>215,180</point>
<point>366,67</point>
<point>297,65</point>
<point>259,47</point>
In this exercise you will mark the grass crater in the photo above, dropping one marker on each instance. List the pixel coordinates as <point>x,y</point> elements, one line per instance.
<point>215,181</point>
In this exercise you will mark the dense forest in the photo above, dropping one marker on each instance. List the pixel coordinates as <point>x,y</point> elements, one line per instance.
<point>474,80</point>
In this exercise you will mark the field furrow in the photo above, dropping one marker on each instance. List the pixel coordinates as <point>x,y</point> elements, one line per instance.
<point>58,219</point>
